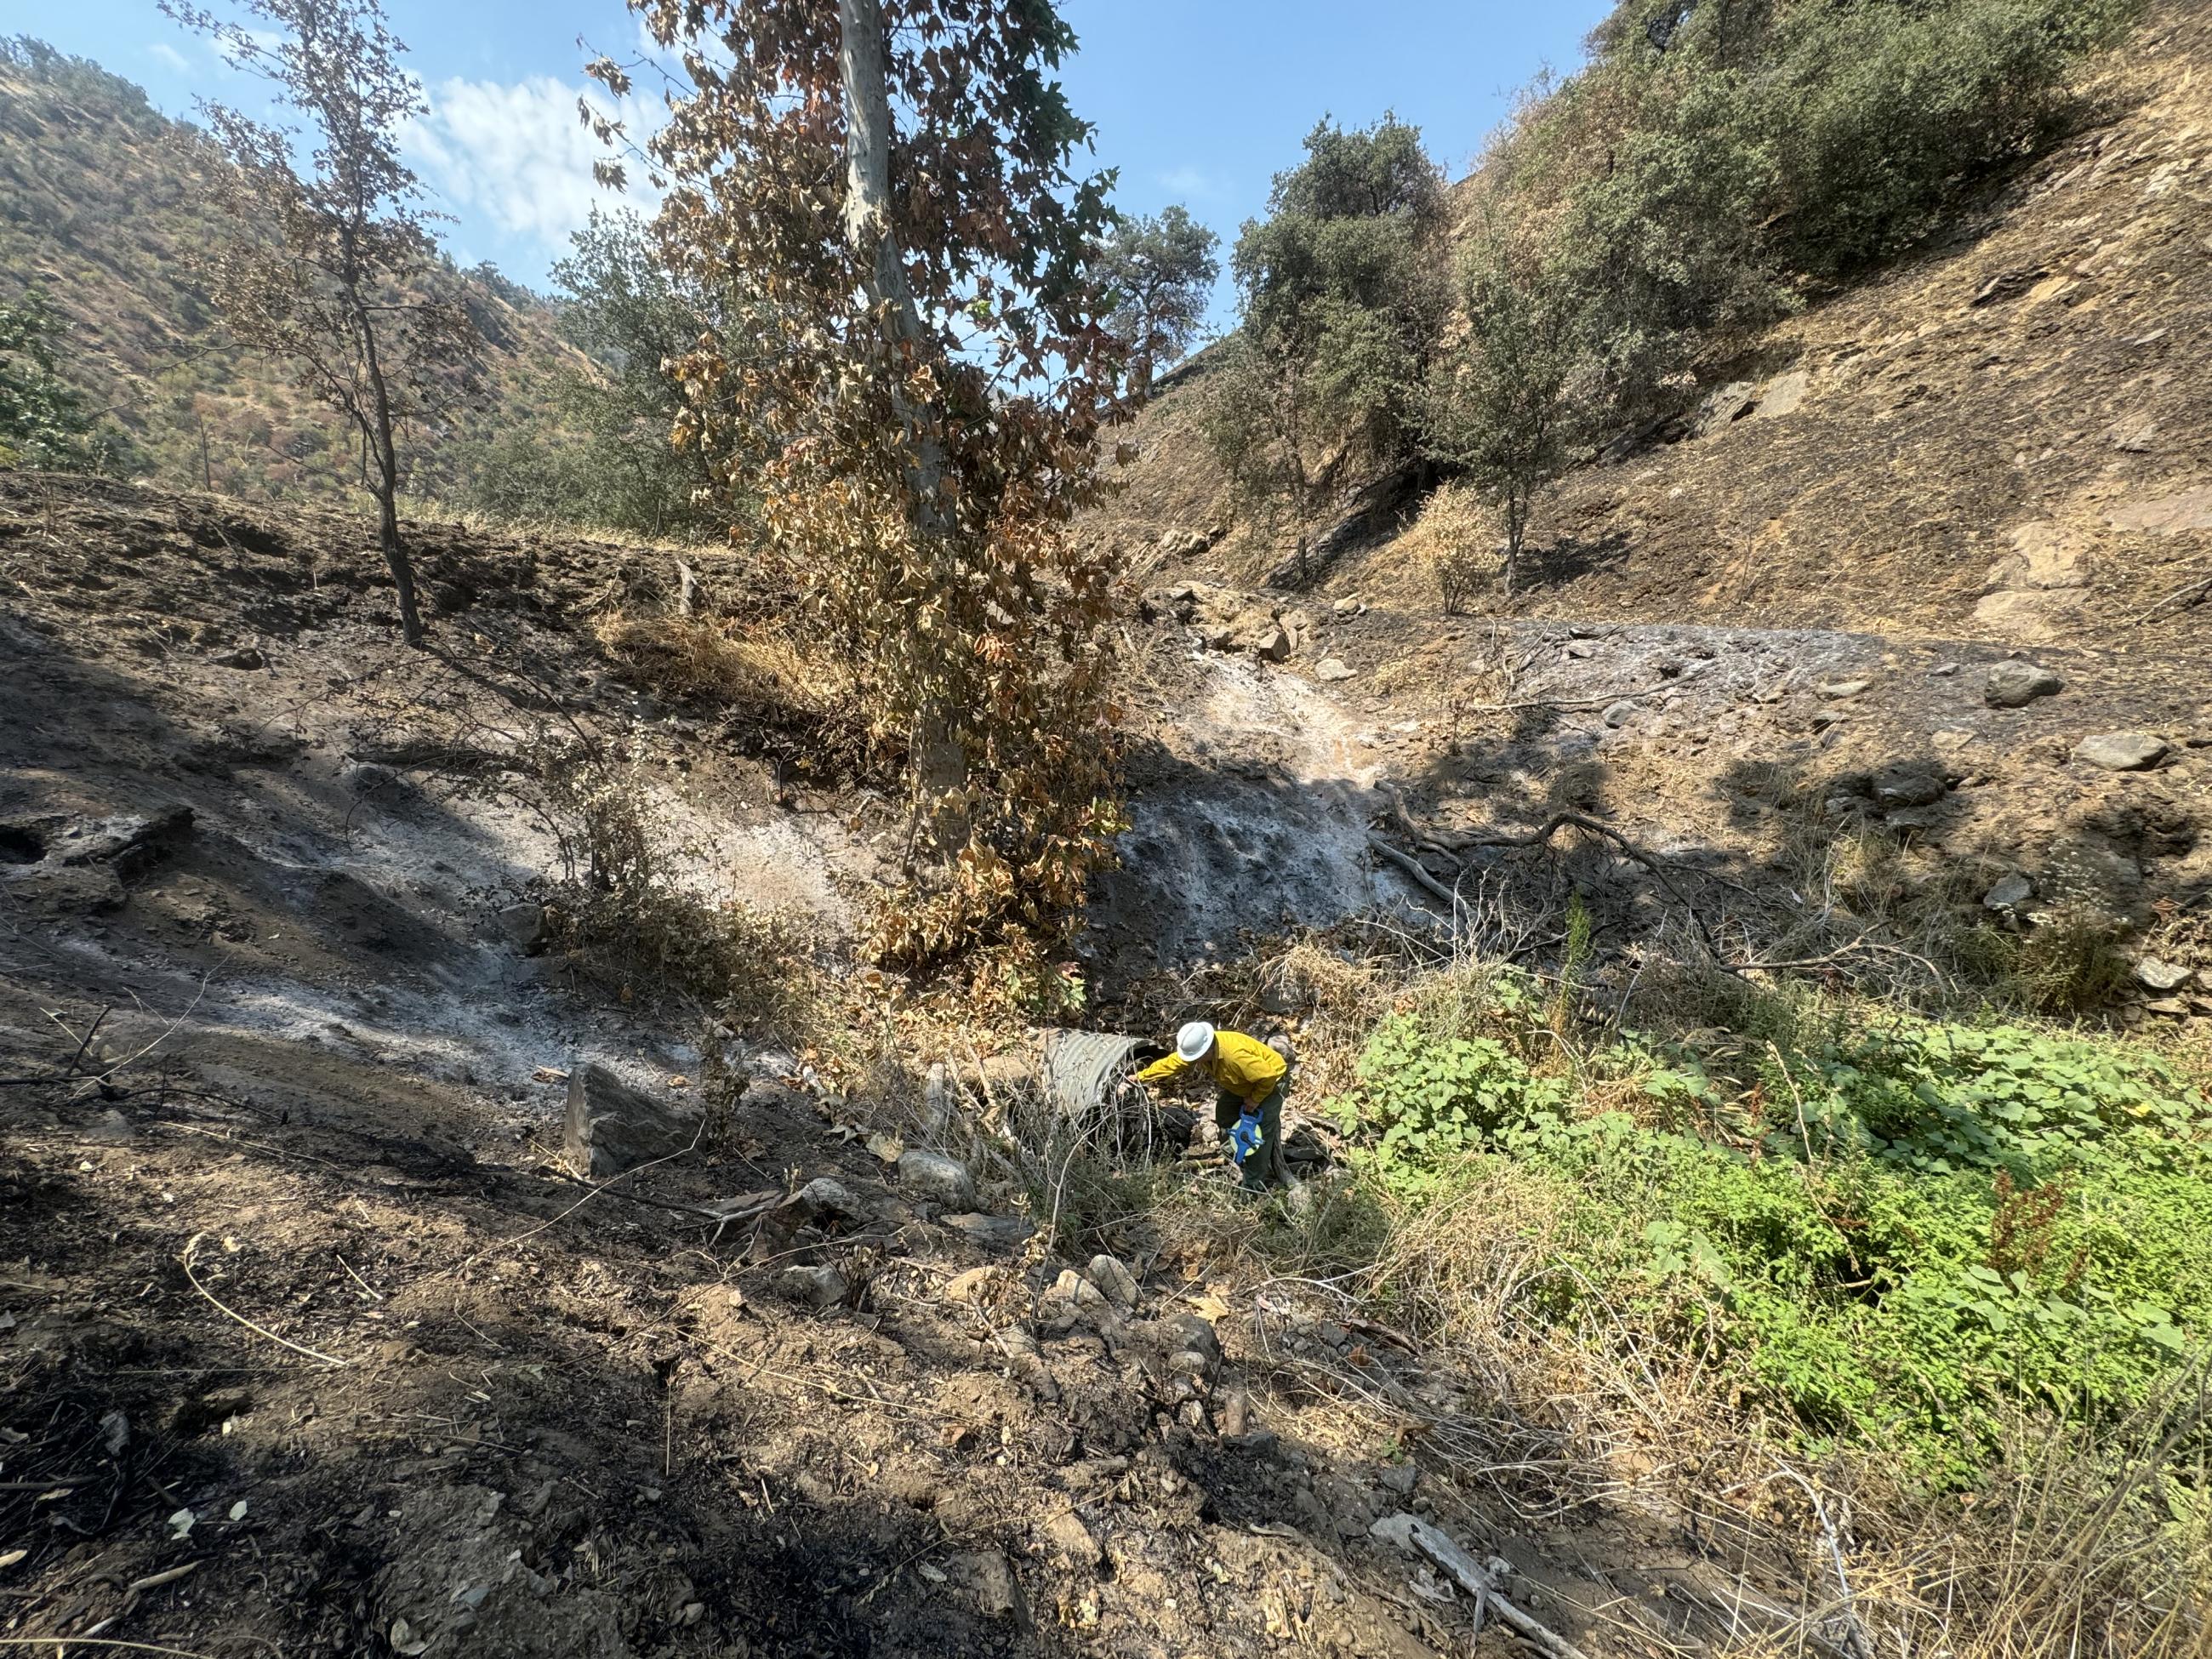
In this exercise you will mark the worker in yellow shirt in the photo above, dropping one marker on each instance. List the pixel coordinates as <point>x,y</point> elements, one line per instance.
<point>1252,1079</point>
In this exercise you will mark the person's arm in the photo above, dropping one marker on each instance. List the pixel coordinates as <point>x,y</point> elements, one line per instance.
<point>1165,1070</point>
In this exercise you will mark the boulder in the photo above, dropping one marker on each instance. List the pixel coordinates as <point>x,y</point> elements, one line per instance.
<point>2122,752</point>
<point>1116,1281</point>
<point>936,1179</point>
<point>2015,683</point>
<point>612,1126</point>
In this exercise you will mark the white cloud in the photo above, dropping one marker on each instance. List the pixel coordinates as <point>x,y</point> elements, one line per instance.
<point>1195,182</point>
<point>516,155</point>
<point>169,54</point>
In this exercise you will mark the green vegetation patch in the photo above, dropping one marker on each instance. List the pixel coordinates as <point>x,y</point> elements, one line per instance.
<point>1898,1235</point>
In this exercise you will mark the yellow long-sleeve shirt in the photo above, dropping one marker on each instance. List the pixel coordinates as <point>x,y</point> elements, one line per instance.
<point>1238,1065</point>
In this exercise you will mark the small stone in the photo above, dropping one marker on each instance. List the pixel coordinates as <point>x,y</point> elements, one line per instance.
<point>1118,1284</point>
<point>2157,975</point>
<point>812,1286</point>
<point>1905,786</point>
<point>970,1286</point>
<point>1943,670</point>
<point>995,1233</point>
<point>2010,894</point>
<point>1401,1478</point>
<point>2015,684</point>
<point>1581,648</point>
<point>2122,752</point>
<point>1069,1539</point>
<point>1349,605</point>
<point>1839,689</point>
<point>522,926</point>
<point>246,659</point>
<point>1333,668</point>
<point>936,1179</point>
<point>1825,717</point>
<point>2171,1007</point>
<point>1620,713</point>
<point>1273,646</point>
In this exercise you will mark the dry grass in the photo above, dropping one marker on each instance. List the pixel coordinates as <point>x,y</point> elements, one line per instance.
<point>1453,543</point>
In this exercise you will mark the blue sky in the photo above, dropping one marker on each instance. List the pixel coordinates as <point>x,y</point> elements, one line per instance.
<point>1195,102</point>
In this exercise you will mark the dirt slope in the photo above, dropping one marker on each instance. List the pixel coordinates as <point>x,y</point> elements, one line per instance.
<point>2001,439</point>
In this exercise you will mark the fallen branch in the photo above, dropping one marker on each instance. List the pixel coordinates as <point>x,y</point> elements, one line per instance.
<point>1410,1532</point>
<point>1570,702</point>
<point>259,1330</point>
<point>2179,596</point>
<point>1412,867</point>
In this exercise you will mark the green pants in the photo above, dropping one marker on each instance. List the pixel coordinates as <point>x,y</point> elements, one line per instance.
<point>1265,1167</point>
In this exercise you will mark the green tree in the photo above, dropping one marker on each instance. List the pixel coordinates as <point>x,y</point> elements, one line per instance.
<point>1158,273</point>
<point>43,421</point>
<point>1341,298</point>
<point>334,267</point>
<point>1502,411</point>
<point>887,186</point>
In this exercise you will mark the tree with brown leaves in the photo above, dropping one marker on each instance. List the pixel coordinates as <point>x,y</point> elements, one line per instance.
<point>927,401</point>
<point>335,267</point>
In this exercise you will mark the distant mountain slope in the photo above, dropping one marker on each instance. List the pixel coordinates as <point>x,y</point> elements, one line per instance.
<point>99,207</point>
<point>2007,435</point>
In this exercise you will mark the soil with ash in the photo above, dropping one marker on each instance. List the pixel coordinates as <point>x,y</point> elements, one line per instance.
<point>309,1341</point>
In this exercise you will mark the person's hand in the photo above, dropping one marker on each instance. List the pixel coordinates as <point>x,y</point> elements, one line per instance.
<point>1246,1137</point>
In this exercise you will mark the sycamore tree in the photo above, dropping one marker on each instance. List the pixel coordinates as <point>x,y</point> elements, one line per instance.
<point>1158,272</point>
<point>334,267</point>
<point>926,398</point>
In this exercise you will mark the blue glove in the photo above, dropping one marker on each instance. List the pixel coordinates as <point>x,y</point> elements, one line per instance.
<point>1245,1137</point>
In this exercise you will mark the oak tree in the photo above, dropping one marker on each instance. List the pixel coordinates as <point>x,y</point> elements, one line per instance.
<point>334,266</point>
<point>1157,273</point>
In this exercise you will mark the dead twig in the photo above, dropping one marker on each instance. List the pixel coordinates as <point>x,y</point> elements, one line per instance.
<point>259,1330</point>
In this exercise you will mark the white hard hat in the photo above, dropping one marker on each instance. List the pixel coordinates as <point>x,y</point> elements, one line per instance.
<point>1193,1041</point>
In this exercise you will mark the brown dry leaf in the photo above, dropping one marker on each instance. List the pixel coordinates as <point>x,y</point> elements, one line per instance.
<point>888,1148</point>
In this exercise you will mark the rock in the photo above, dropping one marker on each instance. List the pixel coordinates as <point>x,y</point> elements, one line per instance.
<point>2171,515</point>
<point>1620,713</point>
<point>2015,685</point>
<point>1839,689</point>
<point>127,844</point>
<point>2010,894</point>
<point>2171,1007</point>
<point>1070,1541</point>
<point>1825,717</point>
<point>936,1179</point>
<point>1273,646</point>
<point>992,1233</point>
<point>2122,752</point>
<point>1725,407</point>
<point>1333,668</point>
<point>1908,785</point>
<point>829,1202</point>
<point>2137,436</point>
<point>521,925</point>
<point>612,1126</point>
<point>1118,1284</point>
<point>990,1578</point>
<point>2157,975</point>
<point>1943,670</point>
<point>1299,625</point>
<point>818,1286</point>
<point>1347,607</point>
<point>1025,1360</point>
<point>1581,649</point>
<point>971,1286</point>
<point>1784,394</point>
<point>1401,1478</point>
<point>246,659</point>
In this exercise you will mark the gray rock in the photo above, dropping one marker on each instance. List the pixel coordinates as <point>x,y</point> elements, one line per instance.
<point>818,1286</point>
<point>936,1179</point>
<point>612,1126</point>
<point>2010,894</point>
<point>2122,752</point>
<point>1908,785</point>
<point>2171,1007</point>
<point>1333,668</point>
<point>1620,713</point>
<point>1347,607</point>
<point>1273,646</point>
<point>1839,689</point>
<point>1943,670</point>
<point>1401,1478</point>
<point>2015,685</point>
<point>246,658</point>
<point>521,925</point>
<point>826,1202</point>
<point>2157,975</point>
<point>1116,1281</point>
<point>994,1232</point>
<point>990,1579</point>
